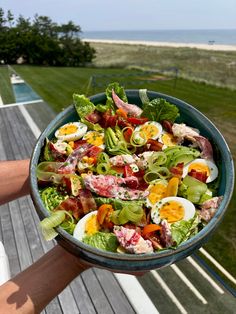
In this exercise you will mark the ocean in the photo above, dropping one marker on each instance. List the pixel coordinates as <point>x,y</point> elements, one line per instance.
<point>219,37</point>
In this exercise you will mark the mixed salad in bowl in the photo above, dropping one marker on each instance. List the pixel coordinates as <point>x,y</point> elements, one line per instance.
<point>126,178</point>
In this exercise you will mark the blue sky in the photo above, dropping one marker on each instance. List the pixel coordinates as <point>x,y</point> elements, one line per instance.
<point>131,14</point>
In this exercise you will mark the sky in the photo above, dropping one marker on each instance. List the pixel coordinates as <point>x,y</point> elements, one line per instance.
<point>94,15</point>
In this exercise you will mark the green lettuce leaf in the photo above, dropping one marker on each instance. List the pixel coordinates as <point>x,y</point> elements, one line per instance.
<point>83,105</point>
<point>102,240</point>
<point>159,109</point>
<point>185,229</point>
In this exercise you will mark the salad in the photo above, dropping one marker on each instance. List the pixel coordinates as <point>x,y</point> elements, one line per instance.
<point>127,178</point>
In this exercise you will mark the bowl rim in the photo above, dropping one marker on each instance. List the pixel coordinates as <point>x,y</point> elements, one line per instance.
<point>192,242</point>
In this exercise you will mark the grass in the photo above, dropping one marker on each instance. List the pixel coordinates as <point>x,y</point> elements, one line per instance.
<point>6,91</point>
<point>213,67</point>
<point>56,86</point>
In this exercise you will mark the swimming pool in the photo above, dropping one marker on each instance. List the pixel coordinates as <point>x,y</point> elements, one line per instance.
<point>24,92</point>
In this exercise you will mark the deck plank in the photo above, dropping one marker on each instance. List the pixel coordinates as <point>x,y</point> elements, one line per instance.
<point>96,293</point>
<point>93,291</point>
<point>114,293</point>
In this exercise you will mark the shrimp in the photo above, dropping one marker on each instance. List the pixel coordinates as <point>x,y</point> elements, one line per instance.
<point>133,110</point>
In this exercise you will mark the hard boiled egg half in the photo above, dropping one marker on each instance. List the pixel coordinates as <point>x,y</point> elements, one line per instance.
<point>157,191</point>
<point>71,131</point>
<point>95,138</point>
<point>87,225</point>
<point>168,139</point>
<point>202,165</point>
<point>148,130</point>
<point>172,209</point>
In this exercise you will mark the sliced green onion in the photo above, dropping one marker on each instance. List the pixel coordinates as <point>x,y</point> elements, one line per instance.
<point>163,172</point>
<point>156,159</point>
<point>103,168</point>
<point>138,139</point>
<point>160,173</point>
<point>151,176</point>
<point>103,157</point>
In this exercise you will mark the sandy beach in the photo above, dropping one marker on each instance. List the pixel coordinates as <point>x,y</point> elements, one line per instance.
<point>214,47</point>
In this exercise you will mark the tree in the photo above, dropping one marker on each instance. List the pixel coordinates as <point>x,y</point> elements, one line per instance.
<point>42,42</point>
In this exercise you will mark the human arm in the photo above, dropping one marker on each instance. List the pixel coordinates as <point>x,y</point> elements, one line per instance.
<point>31,290</point>
<point>14,179</point>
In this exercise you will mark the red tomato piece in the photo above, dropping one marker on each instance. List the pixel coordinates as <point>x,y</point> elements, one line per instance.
<point>137,121</point>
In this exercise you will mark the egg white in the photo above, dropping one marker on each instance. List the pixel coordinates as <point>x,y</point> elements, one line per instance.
<point>189,208</point>
<point>79,231</point>
<point>210,164</point>
<point>154,123</point>
<point>81,130</point>
<point>100,134</point>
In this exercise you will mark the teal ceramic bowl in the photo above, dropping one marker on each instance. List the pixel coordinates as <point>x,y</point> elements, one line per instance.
<point>128,262</point>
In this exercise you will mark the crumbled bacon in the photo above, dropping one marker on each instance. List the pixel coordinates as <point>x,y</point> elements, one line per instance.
<point>177,171</point>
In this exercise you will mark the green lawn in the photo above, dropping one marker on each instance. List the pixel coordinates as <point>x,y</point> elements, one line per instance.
<point>5,86</point>
<point>56,86</point>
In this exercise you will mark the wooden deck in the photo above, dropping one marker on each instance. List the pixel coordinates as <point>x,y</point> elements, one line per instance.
<point>95,291</point>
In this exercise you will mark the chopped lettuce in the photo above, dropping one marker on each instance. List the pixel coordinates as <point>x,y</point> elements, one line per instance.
<point>51,197</point>
<point>83,105</point>
<point>184,229</point>
<point>159,109</point>
<point>102,240</point>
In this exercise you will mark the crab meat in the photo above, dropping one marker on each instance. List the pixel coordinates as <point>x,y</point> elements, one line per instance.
<point>132,241</point>
<point>133,110</point>
<point>209,207</point>
<point>122,160</point>
<point>110,186</point>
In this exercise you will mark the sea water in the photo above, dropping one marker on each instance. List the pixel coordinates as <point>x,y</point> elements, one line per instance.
<point>219,37</point>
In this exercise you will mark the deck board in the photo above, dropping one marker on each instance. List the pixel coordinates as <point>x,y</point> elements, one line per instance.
<point>95,291</point>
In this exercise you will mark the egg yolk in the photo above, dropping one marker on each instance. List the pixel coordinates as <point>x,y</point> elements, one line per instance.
<point>95,138</point>
<point>92,226</point>
<point>157,192</point>
<point>149,131</point>
<point>199,167</point>
<point>172,211</point>
<point>68,129</point>
<point>169,139</point>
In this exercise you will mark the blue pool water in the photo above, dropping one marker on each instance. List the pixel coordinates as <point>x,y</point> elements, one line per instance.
<point>24,92</point>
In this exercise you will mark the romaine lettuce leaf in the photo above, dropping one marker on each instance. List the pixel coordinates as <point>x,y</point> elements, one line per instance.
<point>83,105</point>
<point>102,240</point>
<point>159,109</point>
<point>183,230</point>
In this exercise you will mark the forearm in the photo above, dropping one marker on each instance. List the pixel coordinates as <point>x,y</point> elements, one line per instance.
<point>31,290</point>
<point>14,180</point>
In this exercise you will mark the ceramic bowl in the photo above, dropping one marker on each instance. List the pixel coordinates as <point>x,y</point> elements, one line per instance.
<point>128,262</point>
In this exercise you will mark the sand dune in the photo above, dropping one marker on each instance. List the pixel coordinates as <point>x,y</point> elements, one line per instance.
<point>165,44</point>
